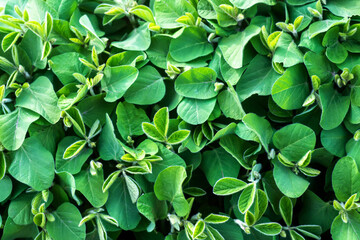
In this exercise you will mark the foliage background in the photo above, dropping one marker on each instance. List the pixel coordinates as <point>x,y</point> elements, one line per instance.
<point>180,119</point>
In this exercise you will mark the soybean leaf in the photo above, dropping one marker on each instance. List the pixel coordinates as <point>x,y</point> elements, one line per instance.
<point>152,208</point>
<point>291,89</point>
<point>196,83</point>
<point>91,187</point>
<point>109,146</point>
<point>288,182</point>
<point>13,127</point>
<point>227,186</point>
<point>120,207</point>
<point>137,40</point>
<point>294,141</point>
<point>168,186</point>
<point>129,119</point>
<point>219,159</point>
<point>232,47</point>
<point>148,88</point>
<point>191,44</point>
<point>33,165</point>
<point>287,52</point>
<point>257,79</point>
<point>167,11</point>
<point>344,178</point>
<point>247,198</point>
<point>196,111</point>
<point>335,106</point>
<point>268,229</point>
<point>286,210</point>
<point>117,80</point>
<point>65,226</point>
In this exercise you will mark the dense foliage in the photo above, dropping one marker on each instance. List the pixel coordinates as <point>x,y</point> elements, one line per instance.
<point>180,119</point>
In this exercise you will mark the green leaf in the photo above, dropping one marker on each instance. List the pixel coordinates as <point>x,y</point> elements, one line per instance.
<point>317,64</point>
<point>288,182</point>
<point>74,149</point>
<point>40,98</point>
<point>247,198</point>
<point>108,145</point>
<point>129,119</point>
<point>137,40</point>
<point>6,187</point>
<point>261,127</point>
<point>143,12</point>
<point>349,230</point>
<point>191,44</point>
<point>216,218</point>
<point>228,186</point>
<point>291,89</point>
<point>36,28</point>
<point>335,140</point>
<point>148,88</point>
<point>336,53</point>
<point>261,204</point>
<point>169,159</point>
<point>198,229</point>
<point>230,104</point>
<point>161,121</point>
<point>74,164</point>
<point>294,141</point>
<point>296,236</point>
<point>93,31</point>
<point>91,187</point>
<point>196,111</point>
<point>232,47</point>
<point>65,226</point>
<point>20,209</point>
<point>152,208</point>
<point>345,8</point>
<point>178,137</point>
<point>316,211</point>
<point>323,26</point>
<point>268,229</point>
<point>258,78</point>
<point>344,178</point>
<point>46,50</point>
<point>64,8</point>
<point>244,4</point>
<point>236,147</point>
<point>287,51</point>
<point>120,207</point>
<point>196,83</point>
<point>217,164</point>
<point>33,165</point>
<point>117,80</point>
<point>13,127</point>
<point>168,186</point>
<point>9,40</point>
<point>152,132</point>
<point>3,165</point>
<point>65,64</point>
<point>167,11</point>
<point>335,105</point>
<point>13,231</point>
<point>286,210</point>
<point>133,188</point>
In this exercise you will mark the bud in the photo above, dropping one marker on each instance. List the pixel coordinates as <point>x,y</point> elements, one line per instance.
<point>218,86</point>
<point>315,81</point>
<point>357,135</point>
<point>154,27</point>
<point>309,100</point>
